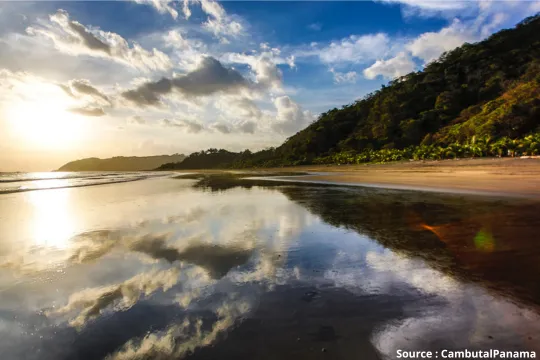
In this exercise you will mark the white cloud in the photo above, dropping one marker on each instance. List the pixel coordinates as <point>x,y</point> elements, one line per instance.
<point>72,37</point>
<point>340,77</point>
<point>186,53</point>
<point>431,4</point>
<point>219,22</point>
<point>355,49</point>
<point>435,8</point>
<point>392,68</point>
<point>238,107</point>
<point>290,117</point>
<point>264,66</point>
<point>431,45</point>
<point>176,40</point>
<point>186,10</point>
<point>162,6</point>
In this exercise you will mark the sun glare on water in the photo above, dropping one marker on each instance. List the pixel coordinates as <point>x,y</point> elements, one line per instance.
<point>52,223</point>
<point>43,121</point>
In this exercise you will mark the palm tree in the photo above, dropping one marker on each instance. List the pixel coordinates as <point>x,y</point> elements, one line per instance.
<point>512,146</point>
<point>500,147</point>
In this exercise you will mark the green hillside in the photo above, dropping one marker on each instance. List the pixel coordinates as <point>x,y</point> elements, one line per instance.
<point>121,163</point>
<point>478,100</point>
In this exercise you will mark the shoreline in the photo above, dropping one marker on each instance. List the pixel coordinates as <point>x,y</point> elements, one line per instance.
<point>514,177</point>
<point>507,177</point>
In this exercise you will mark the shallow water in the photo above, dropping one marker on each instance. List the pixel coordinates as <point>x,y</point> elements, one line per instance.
<point>21,182</point>
<point>172,268</point>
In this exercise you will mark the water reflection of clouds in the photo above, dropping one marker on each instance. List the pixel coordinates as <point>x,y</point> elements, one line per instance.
<point>471,318</point>
<point>189,265</point>
<point>184,255</point>
<point>466,315</point>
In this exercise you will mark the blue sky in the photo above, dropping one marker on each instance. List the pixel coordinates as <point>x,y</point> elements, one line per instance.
<point>82,79</point>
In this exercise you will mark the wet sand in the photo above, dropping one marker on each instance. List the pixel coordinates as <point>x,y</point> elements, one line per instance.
<point>219,267</point>
<point>506,176</point>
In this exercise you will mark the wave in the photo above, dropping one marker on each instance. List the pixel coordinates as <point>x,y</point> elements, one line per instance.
<point>19,177</point>
<point>61,182</point>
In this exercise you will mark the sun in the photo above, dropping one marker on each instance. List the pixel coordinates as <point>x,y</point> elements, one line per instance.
<point>43,121</point>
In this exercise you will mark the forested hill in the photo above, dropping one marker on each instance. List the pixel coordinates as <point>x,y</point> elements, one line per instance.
<point>121,163</point>
<point>477,93</point>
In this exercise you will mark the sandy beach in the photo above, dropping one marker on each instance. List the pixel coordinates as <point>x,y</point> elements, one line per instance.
<point>505,176</point>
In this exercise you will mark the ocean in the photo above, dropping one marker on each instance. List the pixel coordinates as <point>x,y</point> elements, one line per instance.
<point>11,182</point>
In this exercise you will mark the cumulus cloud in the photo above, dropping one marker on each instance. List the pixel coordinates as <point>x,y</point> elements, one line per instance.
<point>186,52</point>
<point>264,66</point>
<point>219,22</point>
<point>290,117</point>
<point>430,45</point>
<point>74,38</point>
<point>209,78</point>
<point>353,49</point>
<point>188,126</point>
<point>340,77</point>
<point>238,107</point>
<point>87,111</point>
<point>162,6</point>
<point>392,68</point>
<point>175,39</point>
<point>91,302</point>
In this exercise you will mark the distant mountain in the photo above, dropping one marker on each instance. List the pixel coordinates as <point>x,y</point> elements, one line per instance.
<point>121,163</point>
<point>480,99</point>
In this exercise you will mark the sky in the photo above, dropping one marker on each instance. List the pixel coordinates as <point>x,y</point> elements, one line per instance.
<point>148,77</point>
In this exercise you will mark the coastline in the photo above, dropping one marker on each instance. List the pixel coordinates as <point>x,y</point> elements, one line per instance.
<point>514,177</point>
<point>509,177</point>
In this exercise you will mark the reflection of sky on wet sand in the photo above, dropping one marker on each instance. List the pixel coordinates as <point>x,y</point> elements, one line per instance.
<point>155,269</point>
